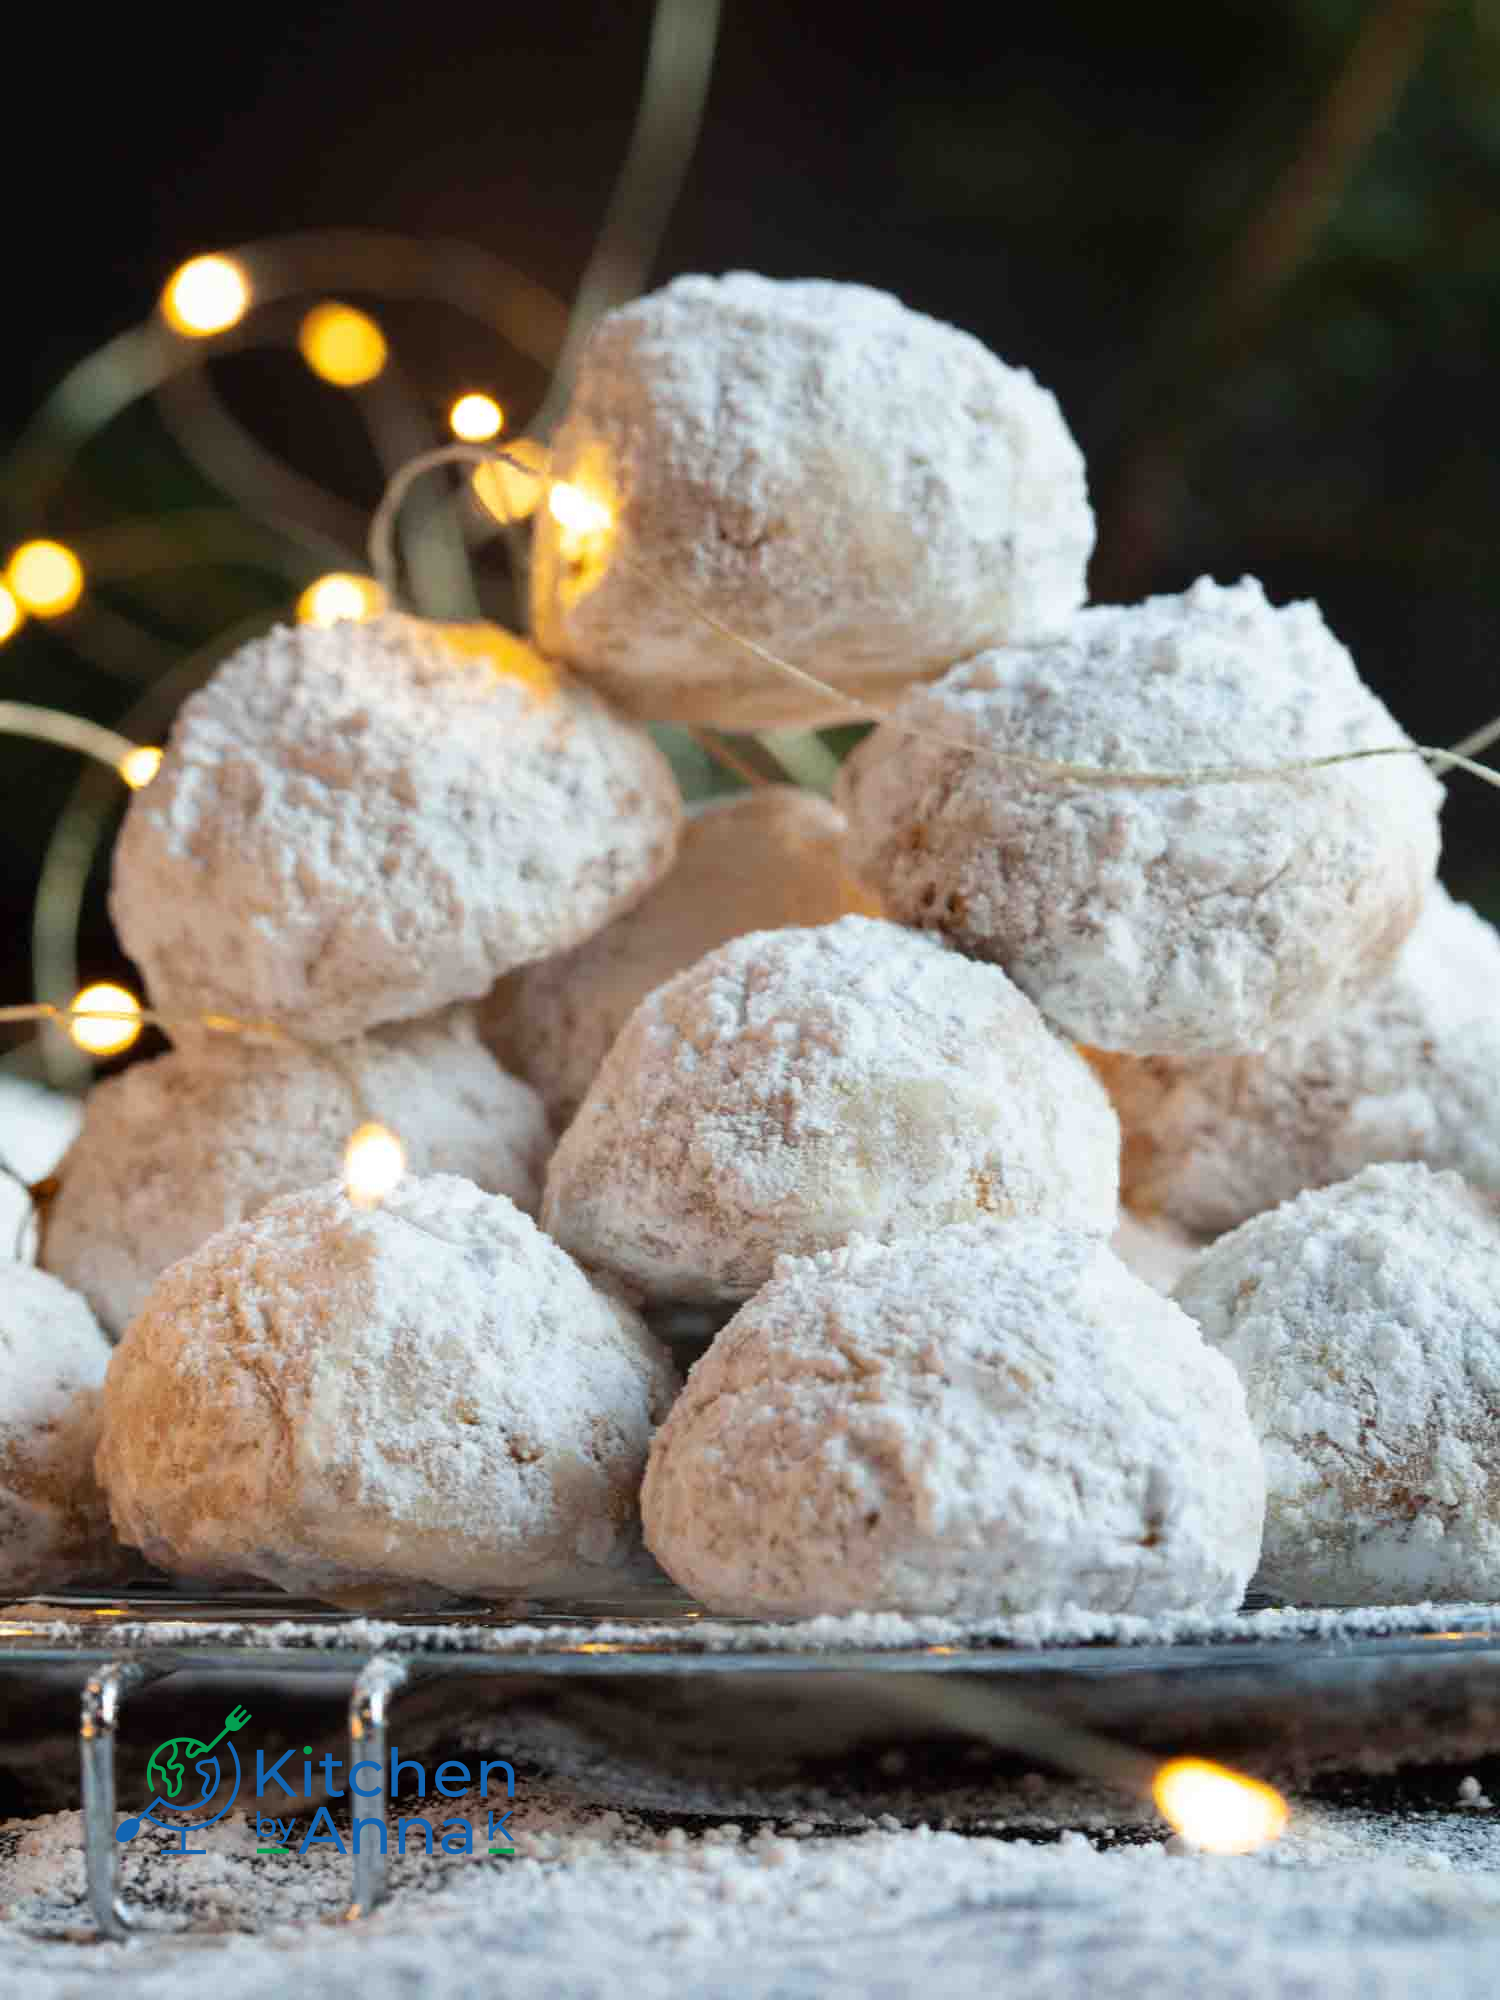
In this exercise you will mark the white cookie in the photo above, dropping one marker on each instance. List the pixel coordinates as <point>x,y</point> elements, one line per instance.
<point>176,1149</point>
<point>361,823</point>
<point>990,1418</point>
<point>54,1526</point>
<point>1175,920</point>
<point>1406,1073</point>
<point>377,1405</point>
<point>1364,1321</point>
<point>796,1087</point>
<point>859,488</point>
<point>764,858</point>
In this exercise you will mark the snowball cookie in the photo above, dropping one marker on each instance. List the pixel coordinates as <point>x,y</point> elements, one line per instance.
<point>36,1127</point>
<point>174,1150</point>
<point>361,823</point>
<point>764,858</point>
<point>864,490</point>
<point>1364,1321</point>
<point>1157,1251</point>
<point>797,1086</point>
<point>994,1417</point>
<point>54,1525</point>
<point>354,1403</point>
<point>1160,920</point>
<point>1407,1073</point>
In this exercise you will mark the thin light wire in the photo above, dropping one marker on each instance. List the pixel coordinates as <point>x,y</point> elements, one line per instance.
<point>437,557</point>
<point>68,732</point>
<point>1459,756</point>
<point>525,314</point>
<point>345,1058</point>
<point>74,842</point>
<point>383,563</point>
<point>669,117</point>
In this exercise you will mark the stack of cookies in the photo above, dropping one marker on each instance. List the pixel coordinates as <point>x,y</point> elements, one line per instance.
<point>1105,887</point>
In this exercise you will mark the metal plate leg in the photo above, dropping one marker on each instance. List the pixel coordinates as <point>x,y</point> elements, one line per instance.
<point>103,1694</point>
<point>369,1705</point>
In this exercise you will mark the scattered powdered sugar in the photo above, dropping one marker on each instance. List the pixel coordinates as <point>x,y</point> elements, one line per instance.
<point>854,485</point>
<point>797,1086</point>
<point>791,1889</point>
<point>1172,920</point>
<point>364,822</point>
<point>994,1416</point>
<point>53,1354</point>
<point>1364,1320</point>
<point>768,857</point>
<point>1407,1073</point>
<point>355,1402</point>
<point>176,1149</point>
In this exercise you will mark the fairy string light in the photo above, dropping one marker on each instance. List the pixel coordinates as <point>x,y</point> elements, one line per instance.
<point>1461,756</point>
<point>374,1156</point>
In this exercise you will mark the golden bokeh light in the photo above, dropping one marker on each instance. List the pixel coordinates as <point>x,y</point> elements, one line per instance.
<point>207,295</point>
<point>340,598</point>
<point>139,766</point>
<point>374,1162</point>
<point>509,493</point>
<point>577,512</point>
<point>508,656</point>
<point>10,613</point>
<point>342,345</point>
<point>476,417</point>
<point>118,1024</point>
<point>583,521</point>
<point>45,578</point>
<point>1216,1809</point>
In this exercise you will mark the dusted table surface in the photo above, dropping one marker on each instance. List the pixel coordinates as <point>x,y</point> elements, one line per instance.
<point>683,1840</point>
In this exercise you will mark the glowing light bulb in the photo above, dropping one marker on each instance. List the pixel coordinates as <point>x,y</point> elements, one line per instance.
<point>138,767</point>
<point>206,295</point>
<point>10,613</point>
<point>509,494</point>
<point>1216,1809</point>
<point>45,578</point>
<point>118,1024</point>
<point>475,418</point>
<point>577,513</point>
<point>343,346</point>
<point>338,598</point>
<point>374,1161</point>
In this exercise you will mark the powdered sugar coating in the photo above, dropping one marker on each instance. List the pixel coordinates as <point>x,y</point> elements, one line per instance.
<point>176,1149</point>
<point>1406,1073</point>
<point>1159,920</point>
<point>54,1526</point>
<point>1154,1249</point>
<point>360,1404</point>
<point>865,490</point>
<point>797,1086</point>
<point>764,858</point>
<point>363,823</point>
<point>993,1417</point>
<point>1364,1321</point>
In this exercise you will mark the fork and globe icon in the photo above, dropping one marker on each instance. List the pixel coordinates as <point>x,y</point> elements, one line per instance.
<point>170,1779</point>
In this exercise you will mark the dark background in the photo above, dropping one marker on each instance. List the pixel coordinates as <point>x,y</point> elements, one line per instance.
<point>1254,247</point>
